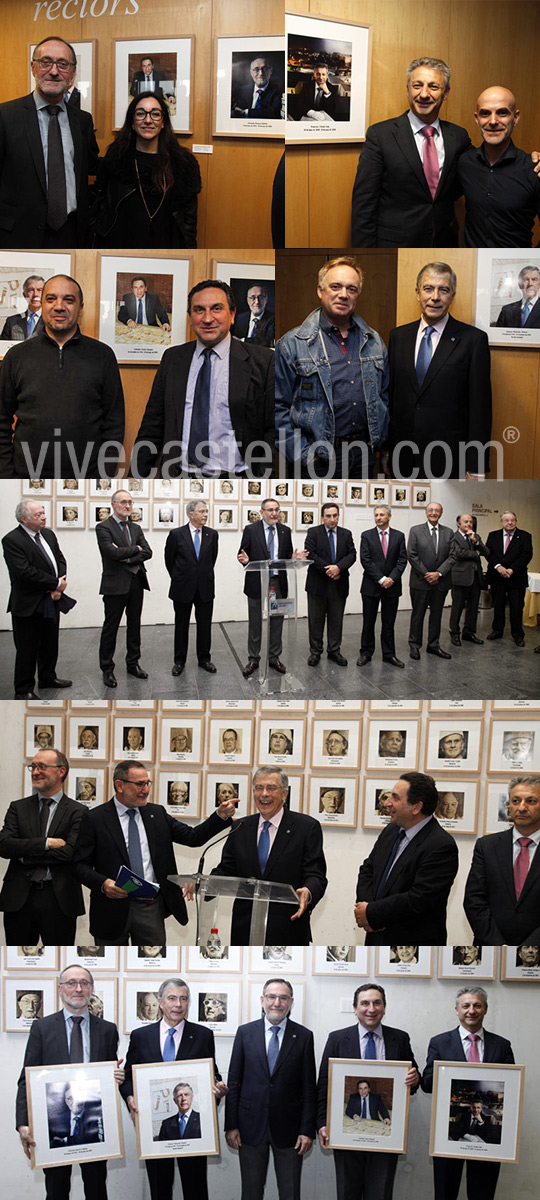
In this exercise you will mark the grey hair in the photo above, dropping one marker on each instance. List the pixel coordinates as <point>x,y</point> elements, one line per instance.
<point>278,979</point>
<point>437,64</point>
<point>508,511</point>
<point>438,268</point>
<point>21,510</point>
<point>531,780</point>
<point>529,268</point>
<point>31,278</point>
<point>193,504</point>
<point>178,983</point>
<point>71,965</point>
<point>283,778</point>
<point>381,505</point>
<point>474,989</point>
<point>182,1085</point>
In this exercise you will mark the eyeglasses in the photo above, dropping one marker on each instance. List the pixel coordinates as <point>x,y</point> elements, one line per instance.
<point>155,114</point>
<point>270,787</point>
<point>276,999</point>
<point>71,984</point>
<point>63,65</point>
<point>146,783</point>
<point>39,766</point>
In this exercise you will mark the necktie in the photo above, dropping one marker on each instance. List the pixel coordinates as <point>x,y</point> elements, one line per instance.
<point>31,321</point>
<point>183,1123</point>
<point>76,1054</point>
<point>200,415</point>
<point>472,1053</point>
<point>258,102</point>
<point>134,844</point>
<point>431,161</point>
<point>318,97</point>
<point>332,540</point>
<point>525,313</point>
<point>139,312</point>
<point>263,848</point>
<point>424,356</point>
<point>56,174</point>
<point>507,540</point>
<point>398,842</point>
<point>169,1049</point>
<point>273,1049</point>
<point>125,532</point>
<point>435,536</point>
<point>473,1124</point>
<point>197,542</point>
<point>364,1109</point>
<point>253,333</point>
<point>521,865</point>
<point>270,540</point>
<point>384,541</point>
<point>39,873</point>
<point>370,1046</point>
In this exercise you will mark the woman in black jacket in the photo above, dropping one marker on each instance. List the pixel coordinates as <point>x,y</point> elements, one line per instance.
<point>147,185</point>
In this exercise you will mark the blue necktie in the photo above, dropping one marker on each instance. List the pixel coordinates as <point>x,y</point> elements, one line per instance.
<point>370,1046</point>
<point>273,1049</point>
<point>183,1123</point>
<point>364,1113</point>
<point>200,413</point>
<point>169,1049</point>
<point>391,861</point>
<point>254,329</point>
<point>270,540</point>
<point>139,312</point>
<point>263,848</point>
<point>134,844</point>
<point>30,324</point>
<point>424,356</point>
<point>525,313</point>
<point>197,542</point>
<point>332,540</point>
<point>258,102</point>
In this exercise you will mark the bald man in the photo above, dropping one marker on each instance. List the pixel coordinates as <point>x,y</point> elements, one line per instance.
<point>502,191</point>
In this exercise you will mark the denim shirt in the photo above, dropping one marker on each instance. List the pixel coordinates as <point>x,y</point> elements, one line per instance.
<point>304,406</point>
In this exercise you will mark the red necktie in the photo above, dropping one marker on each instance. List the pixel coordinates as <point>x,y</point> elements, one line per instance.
<point>384,543</point>
<point>431,161</point>
<point>521,865</point>
<point>472,1053</point>
<point>507,540</point>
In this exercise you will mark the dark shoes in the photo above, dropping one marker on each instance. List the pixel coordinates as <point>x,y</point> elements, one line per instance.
<point>277,665</point>
<point>455,639</point>
<point>250,669</point>
<point>437,650</point>
<point>519,641</point>
<point>393,661</point>
<point>338,658</point>
<point>208,666</point>
<point>177,669</point>
<point>26,696</point>
<point>55,683</point>
<point>313,660</point>
<point>363,660</point>
<point>414,652</point>
<point>109,679</point>
<point>137,671</point>
<point>471,637</point>
<point>494,637</point>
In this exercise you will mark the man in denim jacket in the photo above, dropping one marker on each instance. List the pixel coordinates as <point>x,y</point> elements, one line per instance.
<point>332,382</point>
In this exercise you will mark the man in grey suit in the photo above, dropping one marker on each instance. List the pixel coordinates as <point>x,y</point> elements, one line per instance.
<point>23,325</point>
<point>524,313</point>
<point>466,576</point>
<point>430,555</point>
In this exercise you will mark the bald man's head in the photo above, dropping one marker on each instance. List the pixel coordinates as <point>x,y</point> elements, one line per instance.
<point>496,115</point>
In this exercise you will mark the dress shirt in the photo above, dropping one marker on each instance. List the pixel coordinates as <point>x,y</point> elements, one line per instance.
<point>85,1030</point>
<point>346,374</point>
<point>193,531</point>
<point>464,1035</point>
<point>225,453</point>
<point>164,1031</point>
<point>54,802</point>
<point>43,545</point>
<point>272,828</point>
<point>502,198</point>
<point>141,300</point>
<point>417,124</point>
<point>269,1029</point>
<point>378,1039</point>
<point>435,337</point>
<point>406,841</point>
<point>516,849</point>
<point>67,145</point>
<point>380,533</point>
<point>256,91</point>
<point>123,813</point>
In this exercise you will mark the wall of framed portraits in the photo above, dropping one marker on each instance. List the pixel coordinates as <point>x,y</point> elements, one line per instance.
<point>225,992</point>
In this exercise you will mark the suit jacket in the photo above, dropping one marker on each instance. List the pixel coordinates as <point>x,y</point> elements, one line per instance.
<point>191,576</point>
<point>139,77</point>
<point>30,570</point>
<point>318,546</point>
<point>23,191</point>
<point>101,851</point>
<point>170,1128</point>
<point>20,839</point>
<point>144,1047</point>
<point>517,557</point>
<point>448,1047</point>
<point>489,1132</point>
<point>305,100</point>
<point>343,1043</point>
<point>391,202</point>
<point>255,545</point>
<point>296,857</point>
<point>466,566</point>
<point>494,914</point>
<point>271,102</point>
<point>154,309</point>
<point>454,402</point>
<point>375,565</point>
<point>375,1106</point>
<point>422,557</point>
<point>118,557</point>
<point>15,328</point>
<point>412,906</point>
<point>47,1046</point>
<point>510,315</point>
<point>266,329</point>
<point>285,1100</point>
<point>90,1125</point>
<point>251,404</point>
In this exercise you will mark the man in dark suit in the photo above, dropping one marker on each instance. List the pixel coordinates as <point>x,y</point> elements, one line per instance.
<point>132,833</point>
<point>383,557</point>
<point>71,1035</point>
<point>172,1038</point>
<point>257,325</point>
<point>188,1122</point>
<point>406,181</point>
<point>466,578</point>
<point>43,139</point>
<point>430,556</point>
<point>524,313</point>
<point>332,553</point>
<point>469,1042</point>
<point>23,325</point>
<point>265,539</point>
<point>74,1121</point>
<point>502,893</point>
<point>440,389</point>
<point>316,95</point>
<point>147,79</point>
<point>140,307</point>
<point>365,1105</point>
<point>510,550</point>
<point>40,897</point>
<point>282,847</point>
<point>37,572</point>
<point>271,1100</point>
<point>124,551</point>
<point>212,400</point>
<point>190,558</point>
<point>474,1123</point>
<point>404,884</point>
<point>360,1173</point>
<point>262,98</point>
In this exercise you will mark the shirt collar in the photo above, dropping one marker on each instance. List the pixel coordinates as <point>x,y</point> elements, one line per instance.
<point>275,820</point>
<point>417,123</point>
<point>535,837</point>
<point>439,326</point>
<point>465,1033</point>
<point>67,1015</point>
<point>222,349</point>
<point>268,1026</point>
<point>508,155</point>
<point>55,799</point>
<point>41,102</point>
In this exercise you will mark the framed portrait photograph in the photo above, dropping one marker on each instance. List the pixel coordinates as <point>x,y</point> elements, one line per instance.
<point>514,746</point>
<point>476,1111</point>
<point>453,745</point>
<point>328,70</point>
<point>400,495</point>
<point>392,744</point>
<point>253,490</point>
<point>254,290</point>
<point>283,490</point>
<point>36,489</point>
<point>226,490</point>
<point>31,958</point>
<point>83,91</point>
<point>225,516</point>
<point>98,510</point>
<point>332,800</point>
<point>267,960</point>
<point>216,1005</point>
<point>340,960</point>
<point>255,1008</point>
<point>410,961</point>
<point>305,517</point>
<point>96,958</point>
<point>375,813</point>
<point>152,958</point>
<point>43,732</point>
<point>308,491</point>
<point>180,793</point>
<point>166,489</point>
<point>336,743</point>
<point>376,1089</point>
<point>88,739</point>
<point>154,65</point>
<point>74,1113</point>
<point>70,489</point>
<point>420,494</point>
<point>379,493</point>
<point>457,807</point>
<point>165,514</point>
<point>220,786</point>
<point>466,962</point>
<point>496,806</point>
<point>90,786</point>
<point>332,489</point>
<point>181,739</point>
<point>249,86</point>
<point>520,963</point>
<point>507,295</point>
<point>250,515</point>
<point>26,999</point>
<point>139,489</point>
<point>140,316</point>
<point>22,275</point>
<point>281,741</point>
<point>134,739</point>
<point>230,741</point>
<point>101,489</point>
<point>70,514</point>
<point>103,1001</point>
<point>355,493</point>
<point>177,1109</point>
<point>213,955</point>
<point>141,1001</point>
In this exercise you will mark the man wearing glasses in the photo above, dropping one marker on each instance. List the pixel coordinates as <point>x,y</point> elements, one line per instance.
<point>47,150</point>
<point>130,832</point>
<point>71,1035</point>
<point>40,897</point>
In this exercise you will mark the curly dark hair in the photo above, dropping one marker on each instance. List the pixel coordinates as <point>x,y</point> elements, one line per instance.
<point>168,153</point>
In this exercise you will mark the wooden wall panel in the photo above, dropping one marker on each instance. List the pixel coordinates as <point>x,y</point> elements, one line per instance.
<point>296,287</point>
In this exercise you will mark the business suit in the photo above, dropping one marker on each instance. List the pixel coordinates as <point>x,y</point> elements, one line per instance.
<point>16,328</point>
<point>158,77</point>
<point>374,1107</point>
<point>30,909</point>
<point>296,857</point>
<point>412,904</point>
<point>359,1173</point>
<point>154,309</point>
<point>466,1124</point>
<point>48,1046</point>
<point>510,316</point>
<point>426,556</point>
<point>145,1047</point>
<point>251,405</point>
<point>35,617</point>
<point>123,583</point>
<point>326,596</point>
<point>192,583</point>
<point>265,331</point>
<point>452,406</point>
<point>391,203</point>
<point>256,547</point>
<point>493,912</point>
<point>516,559</point>
<point>270,106</point>
<point>101,850</point>
<point>466,576</point>
<point>89,1125</point>
<point>481,1176</point>
<point>23,189</point>
<point>170,1128</point>
<point>375,566</point>
<point>305,100</point>
<point>271,1108</point>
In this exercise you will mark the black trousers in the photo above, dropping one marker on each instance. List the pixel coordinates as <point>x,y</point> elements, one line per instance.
<point>329,608</point>
<point>131,603</point>
<point>468,598</point>
<point>58,1181</point>
<point>36,644</point>
<point>40,916</point>
<point>389,605</point>
<point>361,1175</point>
<point>63,238</point>
<point>481,1178</point>
<point>192,1174</point>
<point>500,593</point>
<point>432,599</point>
<point>203,617</point>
